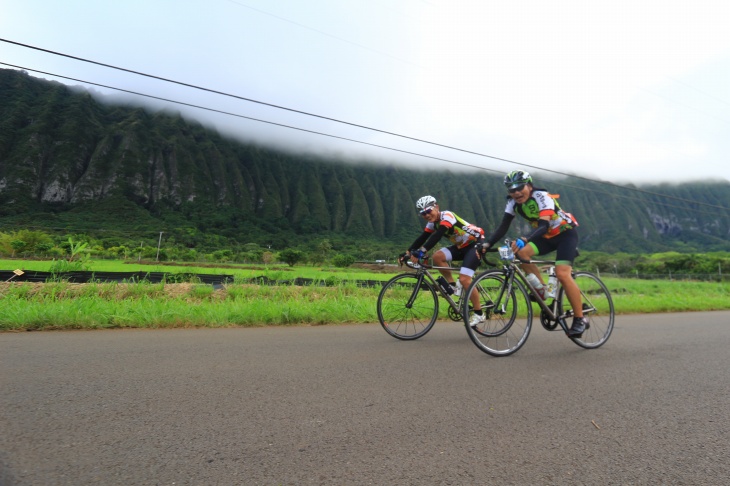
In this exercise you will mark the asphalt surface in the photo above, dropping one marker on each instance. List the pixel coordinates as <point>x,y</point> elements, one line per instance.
<point>352,405</point>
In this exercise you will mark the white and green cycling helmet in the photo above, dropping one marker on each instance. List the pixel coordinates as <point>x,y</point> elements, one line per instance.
<point>517,178</point>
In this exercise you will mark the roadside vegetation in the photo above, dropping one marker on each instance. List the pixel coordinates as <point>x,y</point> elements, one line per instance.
<point>77,251</point>
<point>335,298</point>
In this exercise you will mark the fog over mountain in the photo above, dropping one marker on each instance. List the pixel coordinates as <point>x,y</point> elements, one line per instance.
<point>62,152</point>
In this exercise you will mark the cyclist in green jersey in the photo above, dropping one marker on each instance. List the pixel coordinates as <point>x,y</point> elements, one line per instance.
<point>553,230</point>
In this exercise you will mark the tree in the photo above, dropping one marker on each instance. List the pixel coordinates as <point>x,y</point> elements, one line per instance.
<point>323,249</point>
<point>343,260</point>
<point>291,257</point>
<point>222,255</point>
<point>44,247</point>
<point>18,246</point>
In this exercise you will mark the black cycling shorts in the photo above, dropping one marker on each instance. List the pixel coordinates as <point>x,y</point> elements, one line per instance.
<point>467,256</point>
<point>566,244</point>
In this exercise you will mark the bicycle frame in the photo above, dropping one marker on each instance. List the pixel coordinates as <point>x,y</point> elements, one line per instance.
<point>408,306</point>
<point>421,269</point>
<point>516,270</point>
<point>512,270</point>
<point>508,296</point>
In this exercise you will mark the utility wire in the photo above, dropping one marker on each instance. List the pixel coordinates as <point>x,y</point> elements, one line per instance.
<point>698,90</point>
<point>255,119</point>
<point>686,105</point>
<point>355,124</point>
<point>464,164</point>
<point>323,33</point>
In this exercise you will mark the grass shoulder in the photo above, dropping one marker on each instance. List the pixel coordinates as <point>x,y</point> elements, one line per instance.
<point>335,299</point>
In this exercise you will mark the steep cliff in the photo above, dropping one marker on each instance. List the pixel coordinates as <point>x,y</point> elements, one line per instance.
<point>61,150</point>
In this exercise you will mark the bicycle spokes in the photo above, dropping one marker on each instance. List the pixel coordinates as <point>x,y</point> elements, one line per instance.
<point>407,306</point>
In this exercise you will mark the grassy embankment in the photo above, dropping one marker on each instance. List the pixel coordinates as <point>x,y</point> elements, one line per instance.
<point>62,305</point>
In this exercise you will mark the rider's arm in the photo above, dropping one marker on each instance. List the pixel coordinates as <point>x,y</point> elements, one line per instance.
<point>419,242</point>
<point>434,237</point>
<point>501,230</point>
<point>542,227</point>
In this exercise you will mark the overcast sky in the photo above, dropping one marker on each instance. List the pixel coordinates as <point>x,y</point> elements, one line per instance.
<point>625,91</point>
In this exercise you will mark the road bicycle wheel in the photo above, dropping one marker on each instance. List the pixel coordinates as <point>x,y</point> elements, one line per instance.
<point>597,308</point>
<point>508,317</point>
<point>488,289</point>
<point>407,310</point>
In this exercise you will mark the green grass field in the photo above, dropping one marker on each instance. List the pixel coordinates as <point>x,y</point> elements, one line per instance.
<point>63,305</point>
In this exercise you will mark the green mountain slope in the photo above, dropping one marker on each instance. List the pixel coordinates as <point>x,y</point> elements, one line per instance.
<point>68,162</point>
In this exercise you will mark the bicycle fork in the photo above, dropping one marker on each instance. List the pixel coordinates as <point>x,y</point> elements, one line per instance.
<point>505,292</point>
<point>416,289</point>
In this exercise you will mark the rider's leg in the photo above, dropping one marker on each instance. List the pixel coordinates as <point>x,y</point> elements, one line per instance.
<point>567,251</point>
<point>564,274</point>
<point>474,297</point>
<point>466,274</point>
<point>572,291</point>
<point>527,253</point>
<point>442,258</point>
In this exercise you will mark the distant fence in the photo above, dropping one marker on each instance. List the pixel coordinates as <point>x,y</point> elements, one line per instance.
<point>157,277</point>
<point>705,277</point>
<point>86,277</point>
<point>217,279</point>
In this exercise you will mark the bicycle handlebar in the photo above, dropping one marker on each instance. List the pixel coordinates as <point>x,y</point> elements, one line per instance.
<point>414,266</point>
<point>513,256</point>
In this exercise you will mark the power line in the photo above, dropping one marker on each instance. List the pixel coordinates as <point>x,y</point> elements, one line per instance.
<point>323,33</point>
<point>314,132</point>
<point>698,90</point>
<point>450,147</point>
<point>686,105</point>
<point>463,164</point>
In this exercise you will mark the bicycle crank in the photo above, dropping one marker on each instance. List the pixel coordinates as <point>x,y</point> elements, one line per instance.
<point>546,322</point>
<point>453,315</point>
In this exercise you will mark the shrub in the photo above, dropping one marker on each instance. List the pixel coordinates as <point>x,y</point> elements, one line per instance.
<point>343,260</point>
<point>291,257</point>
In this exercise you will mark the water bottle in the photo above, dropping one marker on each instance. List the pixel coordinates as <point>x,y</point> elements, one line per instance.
<point>457,290</point>
<point>445,286</point>
<point>505,253</point>
<point>552,285</point>
<point>535,282</point>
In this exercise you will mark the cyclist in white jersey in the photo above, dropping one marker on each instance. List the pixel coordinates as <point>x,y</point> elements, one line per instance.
<point>463,237</point>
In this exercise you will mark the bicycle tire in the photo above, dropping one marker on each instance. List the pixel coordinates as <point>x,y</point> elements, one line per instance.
<point>488,289</point>
<point>396,316</point>
<point>508,323</point>
<point>597,308</point>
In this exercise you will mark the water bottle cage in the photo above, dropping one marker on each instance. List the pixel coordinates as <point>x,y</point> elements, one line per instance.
<point>445,286</point>
<point>506,254</point>
<point>552,286</point>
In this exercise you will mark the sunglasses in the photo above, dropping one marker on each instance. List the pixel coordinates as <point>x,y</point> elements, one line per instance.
<point>512,190</point>
<point>426,211</point>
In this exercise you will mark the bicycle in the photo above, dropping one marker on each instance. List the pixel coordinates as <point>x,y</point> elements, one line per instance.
<point>408,303</point>
<point>506,297</point>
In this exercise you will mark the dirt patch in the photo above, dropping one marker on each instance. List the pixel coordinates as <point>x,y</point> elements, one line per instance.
<point>109,291</point>
<point>377,267</point>
<point>234,266</point>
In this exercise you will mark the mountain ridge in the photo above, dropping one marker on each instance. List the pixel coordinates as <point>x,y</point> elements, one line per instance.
<point>63,154</point>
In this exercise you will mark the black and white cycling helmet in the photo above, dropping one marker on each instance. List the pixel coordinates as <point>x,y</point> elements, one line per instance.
<point>517,178</point>
<point>425,202</point>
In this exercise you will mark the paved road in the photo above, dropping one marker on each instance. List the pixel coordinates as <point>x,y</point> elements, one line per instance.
<point>351,405</point>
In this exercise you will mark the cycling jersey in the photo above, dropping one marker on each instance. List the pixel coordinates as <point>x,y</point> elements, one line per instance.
<point>460,232</point>
<point>542,203</point>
